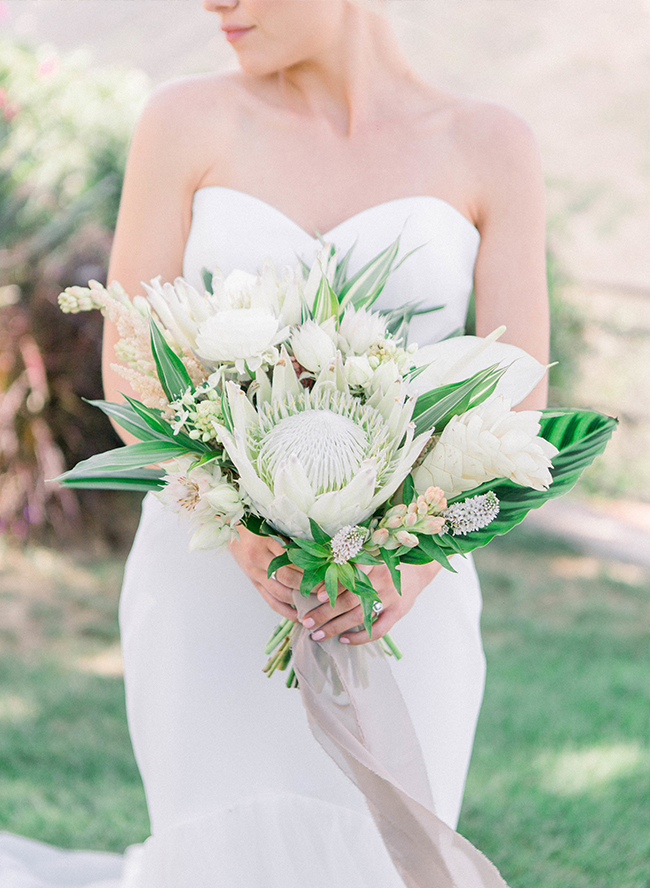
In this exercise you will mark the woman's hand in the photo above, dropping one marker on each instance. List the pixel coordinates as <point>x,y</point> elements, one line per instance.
<point>326,621</point>
<point>254,554</point>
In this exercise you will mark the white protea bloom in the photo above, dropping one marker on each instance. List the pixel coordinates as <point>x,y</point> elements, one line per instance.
<point>312,346</point>
<point>359,329</point>
<point>473,514</point>
<point>319,454</point>
<point>180,309</point>
<point>489,441</point>
<point>205,496</point>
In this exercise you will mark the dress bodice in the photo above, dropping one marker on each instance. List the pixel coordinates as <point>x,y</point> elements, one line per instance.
<point>231,229</point>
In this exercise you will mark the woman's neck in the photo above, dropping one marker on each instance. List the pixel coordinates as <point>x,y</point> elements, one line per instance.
<point>354,82</point>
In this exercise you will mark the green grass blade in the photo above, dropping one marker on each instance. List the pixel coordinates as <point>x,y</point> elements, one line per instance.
<point>142,481</point>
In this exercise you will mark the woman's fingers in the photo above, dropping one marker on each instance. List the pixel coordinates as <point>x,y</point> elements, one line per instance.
<point>289,577</point>
<point>346,621</point>
<point>380,627</point>
<point>280,607</point>
<point>325,612</point>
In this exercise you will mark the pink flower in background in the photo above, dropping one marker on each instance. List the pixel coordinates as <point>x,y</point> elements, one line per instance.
<point>48,67</point>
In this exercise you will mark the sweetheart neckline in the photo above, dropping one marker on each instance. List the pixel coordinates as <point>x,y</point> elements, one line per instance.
<point>383,204</point>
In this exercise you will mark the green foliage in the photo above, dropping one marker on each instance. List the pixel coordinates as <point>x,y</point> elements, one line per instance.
<point>64,132</point>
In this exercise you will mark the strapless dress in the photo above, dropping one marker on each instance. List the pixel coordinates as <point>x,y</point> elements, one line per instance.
<point>239,793</point>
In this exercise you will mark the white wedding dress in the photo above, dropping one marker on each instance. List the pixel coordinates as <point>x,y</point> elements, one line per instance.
<point>239,792</point>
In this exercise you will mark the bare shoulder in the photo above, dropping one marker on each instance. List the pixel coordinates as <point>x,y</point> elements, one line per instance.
<point>189,122</point>
<point>500,151</point>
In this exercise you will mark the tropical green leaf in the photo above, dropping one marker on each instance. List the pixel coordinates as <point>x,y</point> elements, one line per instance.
<point>579,435</point>
<point>392,561</point>
<point>435,408</point>
<point>208,277</point>
<point>172,374</point>
<point>127,418</point>
<point>302,559</point>
<point>341,274</point>
<point>332,582</point>
<point>316,549</point>
<point>156,422</point>
<point>347,576</point>
<point>278,562</point>
<point>398,320</point>
<point>318,533</point>
<point>408,490</point>
<point>430,545</point>
<point>133,456</point>
<point>365,286</point>
<point>138,481</point>
<point>326,304</point>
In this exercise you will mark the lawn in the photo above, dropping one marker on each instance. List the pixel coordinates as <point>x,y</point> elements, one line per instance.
<point>557,794</point>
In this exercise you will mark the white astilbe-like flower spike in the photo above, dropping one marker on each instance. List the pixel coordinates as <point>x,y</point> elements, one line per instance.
<point>473,514</point>
<point>347,543</point>
<point>490,441</point>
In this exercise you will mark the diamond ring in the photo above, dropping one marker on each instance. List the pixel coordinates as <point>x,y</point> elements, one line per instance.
<point>273,577</point>
<point>377,607</point>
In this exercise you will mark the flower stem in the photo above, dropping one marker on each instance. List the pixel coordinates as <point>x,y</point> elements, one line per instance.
<point>279,634</point>
<point>393,650</point>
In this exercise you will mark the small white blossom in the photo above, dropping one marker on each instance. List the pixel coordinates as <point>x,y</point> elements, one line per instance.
<point>348,542</point>
<point>312,346</point>
<point>473,514</point>
<point>360,328</point>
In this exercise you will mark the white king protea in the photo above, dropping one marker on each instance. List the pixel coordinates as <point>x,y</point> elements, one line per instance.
<point>490,441</point>
<point>320,454</point>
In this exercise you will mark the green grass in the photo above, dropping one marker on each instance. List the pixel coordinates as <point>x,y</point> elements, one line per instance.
<point>560,775</point>
<point>558,789</point>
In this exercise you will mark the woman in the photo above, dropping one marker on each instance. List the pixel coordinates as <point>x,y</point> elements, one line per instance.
<point>325,128</point>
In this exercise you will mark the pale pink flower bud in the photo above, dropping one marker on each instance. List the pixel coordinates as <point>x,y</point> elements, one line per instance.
<point>380,536</point>
<point>435,497</point>
<point>423,508</point>
<point>433,524</point>
<point>394,521</point>
<point>404,538</point>
<point>412,508</point>
<point>397,510</point>
<point>410,519</point>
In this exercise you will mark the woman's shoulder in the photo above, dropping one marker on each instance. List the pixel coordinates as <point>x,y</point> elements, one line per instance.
<point>192,99</point>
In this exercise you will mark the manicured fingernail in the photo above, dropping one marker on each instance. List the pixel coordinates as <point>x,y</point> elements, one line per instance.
<point>322,596</point>
<point>308,622</point>
<point>344,640</point>
<point>316,636</point>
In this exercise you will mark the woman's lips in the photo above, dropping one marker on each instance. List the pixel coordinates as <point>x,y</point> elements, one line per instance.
<point>234,32</point>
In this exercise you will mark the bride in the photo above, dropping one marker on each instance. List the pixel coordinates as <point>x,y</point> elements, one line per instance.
<point>324,130</point>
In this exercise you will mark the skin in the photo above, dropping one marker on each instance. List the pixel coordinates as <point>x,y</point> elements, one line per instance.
<point>324,83</point>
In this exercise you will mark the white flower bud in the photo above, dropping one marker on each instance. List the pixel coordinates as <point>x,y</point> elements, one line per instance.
<point>312,346</point>
<point>359,329</point>
<point>357,370</point>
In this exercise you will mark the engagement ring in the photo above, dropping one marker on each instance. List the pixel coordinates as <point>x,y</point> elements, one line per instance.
<point>273,577</point>
<point>377,607</point>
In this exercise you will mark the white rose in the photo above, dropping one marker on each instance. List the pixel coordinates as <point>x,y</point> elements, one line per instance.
<point>239,336</point>
<point>312,346</point>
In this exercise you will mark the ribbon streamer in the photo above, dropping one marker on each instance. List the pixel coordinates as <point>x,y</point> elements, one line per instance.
<point>358,715</point>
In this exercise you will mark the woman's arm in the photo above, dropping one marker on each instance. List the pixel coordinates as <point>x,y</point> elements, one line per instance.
<point>510,278</point>
<point>154,217</point>
<point>163,170</point>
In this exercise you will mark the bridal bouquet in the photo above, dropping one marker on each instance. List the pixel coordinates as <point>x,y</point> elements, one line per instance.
<point>283,402</point>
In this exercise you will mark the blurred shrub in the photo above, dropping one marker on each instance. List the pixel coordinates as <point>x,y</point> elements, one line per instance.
<point>64,132</point>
